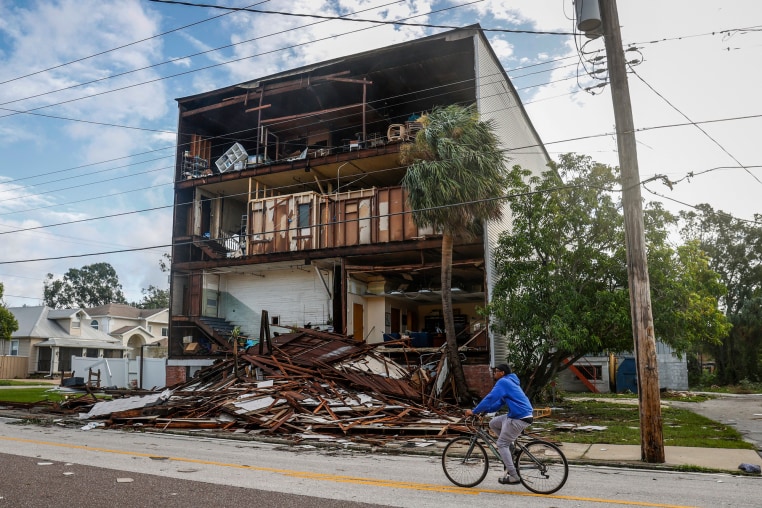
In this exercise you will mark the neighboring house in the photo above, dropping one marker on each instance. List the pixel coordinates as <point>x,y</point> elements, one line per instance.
<point>288,200</point>
<point>617,373</point>
<point>50,337</point>
<point>134,327</point>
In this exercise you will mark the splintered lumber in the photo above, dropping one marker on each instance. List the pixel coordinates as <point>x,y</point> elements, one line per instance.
<point>188,423</point>
<point>308,381</point>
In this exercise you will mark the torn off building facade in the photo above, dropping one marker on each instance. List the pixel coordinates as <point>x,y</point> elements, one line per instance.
<point>288,203</point>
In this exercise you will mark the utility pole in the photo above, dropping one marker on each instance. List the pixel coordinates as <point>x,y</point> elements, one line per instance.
<point>651,437</point>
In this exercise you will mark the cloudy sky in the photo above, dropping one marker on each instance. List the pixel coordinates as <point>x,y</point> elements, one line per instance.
<point>88,112</point>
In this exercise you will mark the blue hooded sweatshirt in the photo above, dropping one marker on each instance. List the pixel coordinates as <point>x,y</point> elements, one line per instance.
<point>507,391</point>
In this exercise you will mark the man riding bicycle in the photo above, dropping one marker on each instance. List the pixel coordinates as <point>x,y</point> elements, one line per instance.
<point>507,391</point>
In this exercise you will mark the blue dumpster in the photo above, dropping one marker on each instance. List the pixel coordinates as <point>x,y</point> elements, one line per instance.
<point>627,376</point>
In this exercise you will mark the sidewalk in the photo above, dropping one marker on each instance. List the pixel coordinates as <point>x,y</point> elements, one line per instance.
<point>675,456</point>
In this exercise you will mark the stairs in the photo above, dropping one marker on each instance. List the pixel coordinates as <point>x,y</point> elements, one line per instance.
<point>219,329</point>
<point>212,248</point>
<point>581,376</point>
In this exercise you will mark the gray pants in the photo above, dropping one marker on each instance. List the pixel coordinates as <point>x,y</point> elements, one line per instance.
<point>507,430</point>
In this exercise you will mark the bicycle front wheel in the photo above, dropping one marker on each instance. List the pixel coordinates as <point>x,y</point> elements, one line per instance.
<point>465,462</point>
<point>542,467</point>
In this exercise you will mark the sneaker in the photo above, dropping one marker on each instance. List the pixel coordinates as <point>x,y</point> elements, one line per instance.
<point>509,480</point>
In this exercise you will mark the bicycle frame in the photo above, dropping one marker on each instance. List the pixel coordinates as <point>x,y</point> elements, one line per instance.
<point>491,442</point>
<point>541,465</point>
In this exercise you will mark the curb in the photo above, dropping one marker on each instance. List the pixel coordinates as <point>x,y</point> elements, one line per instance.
<point>389,448</point>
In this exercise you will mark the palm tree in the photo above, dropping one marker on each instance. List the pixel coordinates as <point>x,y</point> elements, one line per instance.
<point>457,175</point>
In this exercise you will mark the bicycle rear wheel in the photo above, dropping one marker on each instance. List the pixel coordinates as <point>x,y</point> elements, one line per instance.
<point>542,467</point>
<point>465,462</point>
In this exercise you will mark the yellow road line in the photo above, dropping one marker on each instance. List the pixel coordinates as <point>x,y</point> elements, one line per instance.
<point>348,479</point>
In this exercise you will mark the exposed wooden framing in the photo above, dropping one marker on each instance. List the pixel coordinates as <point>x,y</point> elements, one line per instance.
<point>225,103</point>
<point>410,268</point>
<point>259,124</point>
<point>351,80</point>
<point>257,108</point>
<point>309,114</point>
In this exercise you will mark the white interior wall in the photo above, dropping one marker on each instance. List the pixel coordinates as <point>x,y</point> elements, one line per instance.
<point>294,294</point>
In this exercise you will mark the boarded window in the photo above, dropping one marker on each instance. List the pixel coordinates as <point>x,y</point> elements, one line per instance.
<point>303,220</point>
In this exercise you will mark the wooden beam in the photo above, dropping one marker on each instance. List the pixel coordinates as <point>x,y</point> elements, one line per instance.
<point>308,115</point>
<point>225,103</point>
<point>263,106</point>
<point>350,80</point>
<point>409,268</point>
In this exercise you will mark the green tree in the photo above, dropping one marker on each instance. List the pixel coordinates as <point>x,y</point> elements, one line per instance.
<point>91,286</point>
<point>746,339</point>
<point>153,298</point>
<point>562,288</point>
<point>734,248</point>
<point>458,170</point>
<point>8,323</point>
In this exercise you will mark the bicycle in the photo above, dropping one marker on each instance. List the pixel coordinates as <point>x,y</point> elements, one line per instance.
<point>541,465</point>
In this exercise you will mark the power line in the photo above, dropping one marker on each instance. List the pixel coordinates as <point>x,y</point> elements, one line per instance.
<point>230,135</point>
<point>555,142</point>
<point>170,131</point>
<point>117,48</point>
<point>338,18</point>
<point>696,207</point>
<point>713,140</point>
<point>578,138</point>
<point>499,198</point>
<point>221,63</point>
<point>165,62</point>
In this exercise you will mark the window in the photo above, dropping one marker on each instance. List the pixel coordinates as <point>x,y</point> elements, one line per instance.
<point>164,331</point>
<point>14,347</point>
<point>94,324</point>
<point>591,372</point>
<point>150,329</point>
<point>303,221</point>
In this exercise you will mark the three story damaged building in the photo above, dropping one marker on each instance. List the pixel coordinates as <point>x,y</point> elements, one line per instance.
<point>288,201</point>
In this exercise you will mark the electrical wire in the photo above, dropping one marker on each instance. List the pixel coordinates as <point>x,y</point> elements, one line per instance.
<point>397,23</point>
<point>704,132</point>
<point>57,173</point>
<point>105,52</point>
<point>126,87</point>
<point>693,123</point>
<point>159,64</point>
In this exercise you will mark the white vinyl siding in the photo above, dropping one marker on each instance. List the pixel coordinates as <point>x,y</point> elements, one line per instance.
<point>497,101</point>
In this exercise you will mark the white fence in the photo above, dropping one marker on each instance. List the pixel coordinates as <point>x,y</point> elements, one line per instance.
<point>123,372</point>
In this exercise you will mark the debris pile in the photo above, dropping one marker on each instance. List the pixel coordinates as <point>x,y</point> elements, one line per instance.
<point>309,385</point>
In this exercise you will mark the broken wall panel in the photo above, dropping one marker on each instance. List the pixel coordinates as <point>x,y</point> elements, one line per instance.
<point>312,382</point>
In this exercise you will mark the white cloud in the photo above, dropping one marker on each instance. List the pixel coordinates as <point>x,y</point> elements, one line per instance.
<point>708,77</point>
<point>696,74</point>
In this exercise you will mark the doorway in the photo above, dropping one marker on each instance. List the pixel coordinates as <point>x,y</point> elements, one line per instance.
<point>357,319</point>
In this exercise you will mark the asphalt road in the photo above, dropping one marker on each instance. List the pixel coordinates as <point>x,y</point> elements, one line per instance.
<point>744,412</point>
<point>61,466</point>
<point>29,482</point>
